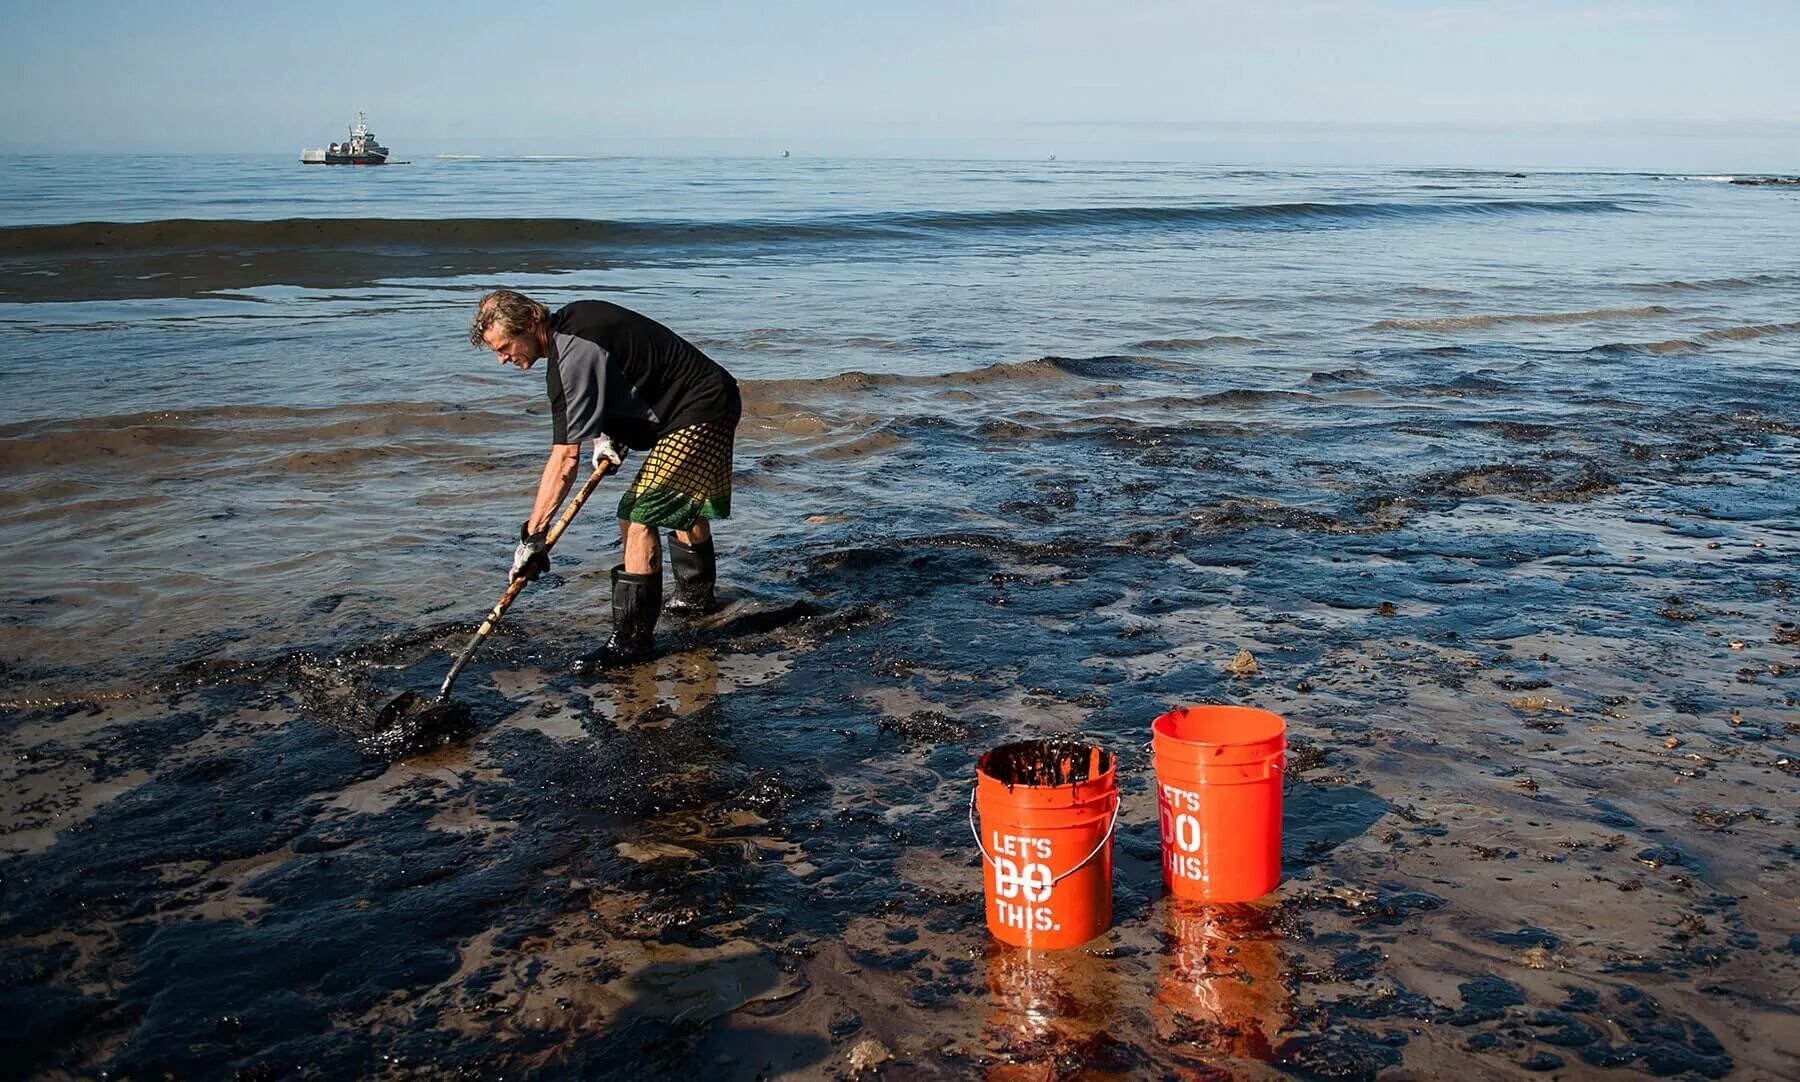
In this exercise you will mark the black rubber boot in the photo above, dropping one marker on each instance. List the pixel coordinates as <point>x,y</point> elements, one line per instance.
<point>636,602</point>
<point>695,571</point>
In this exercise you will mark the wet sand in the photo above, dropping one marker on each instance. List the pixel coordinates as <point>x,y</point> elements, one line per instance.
<point>1541,692</point>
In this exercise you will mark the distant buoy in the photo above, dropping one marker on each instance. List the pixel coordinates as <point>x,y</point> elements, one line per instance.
<point>1052,157</point>
<point>784,153</point>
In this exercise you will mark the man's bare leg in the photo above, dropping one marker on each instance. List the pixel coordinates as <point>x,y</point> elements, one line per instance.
<point>643,548</point>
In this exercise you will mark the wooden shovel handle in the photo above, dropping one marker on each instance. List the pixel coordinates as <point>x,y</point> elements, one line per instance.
<point>514,587</point>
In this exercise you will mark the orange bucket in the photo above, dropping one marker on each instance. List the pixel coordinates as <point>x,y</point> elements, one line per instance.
<point>1048,808</point>
<point>1218,796</point>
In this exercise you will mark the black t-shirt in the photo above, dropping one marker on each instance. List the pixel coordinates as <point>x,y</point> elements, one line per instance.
<point>616,372</point>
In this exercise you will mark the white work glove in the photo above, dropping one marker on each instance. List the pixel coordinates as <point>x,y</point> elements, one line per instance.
<point>532,557</point>
<point>605,450</point>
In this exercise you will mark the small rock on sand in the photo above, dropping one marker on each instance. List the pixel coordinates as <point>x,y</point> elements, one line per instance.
<point>1539,957</point>
<point>1244,664</point>
<point>644,852</point>
<point>868,1054</point>
<point>1536,703</point>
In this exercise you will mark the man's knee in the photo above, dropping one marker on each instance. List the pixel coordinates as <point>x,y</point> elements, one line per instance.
<point>643,547</point>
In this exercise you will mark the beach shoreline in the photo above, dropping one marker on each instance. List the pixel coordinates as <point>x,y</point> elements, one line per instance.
<point>1490,478</point>
<point>1497,851</point>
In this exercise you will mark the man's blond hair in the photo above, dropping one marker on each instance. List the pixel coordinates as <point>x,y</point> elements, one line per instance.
<point>512,312</point>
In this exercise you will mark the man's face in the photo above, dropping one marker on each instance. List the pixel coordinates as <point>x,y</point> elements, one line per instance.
<point>521,349</point>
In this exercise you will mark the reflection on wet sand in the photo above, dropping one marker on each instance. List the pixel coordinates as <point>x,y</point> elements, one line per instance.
<point>649,696</point>
<point>1050,1008</point>
<point>1220,991</point>
<point>698,685</point>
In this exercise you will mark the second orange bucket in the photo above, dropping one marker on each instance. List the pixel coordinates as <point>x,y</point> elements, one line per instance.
<point>1218,795</point>
<point>1048,808</point>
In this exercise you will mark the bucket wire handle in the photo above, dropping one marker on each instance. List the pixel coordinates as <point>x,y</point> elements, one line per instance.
<point>975,832</point>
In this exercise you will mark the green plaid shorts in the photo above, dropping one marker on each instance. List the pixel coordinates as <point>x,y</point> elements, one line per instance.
<point>684,478</point>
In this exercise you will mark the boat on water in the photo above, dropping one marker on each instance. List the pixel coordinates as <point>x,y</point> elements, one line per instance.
<point>360,149</point>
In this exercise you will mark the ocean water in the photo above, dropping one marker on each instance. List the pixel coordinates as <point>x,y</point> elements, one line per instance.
<point>199,373</point>
<point>1492,474</point>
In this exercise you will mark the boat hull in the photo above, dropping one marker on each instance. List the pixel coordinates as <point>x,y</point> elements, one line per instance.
<point>344,159</point>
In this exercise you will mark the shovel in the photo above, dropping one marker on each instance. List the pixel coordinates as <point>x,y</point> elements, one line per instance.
<point>415,709</point>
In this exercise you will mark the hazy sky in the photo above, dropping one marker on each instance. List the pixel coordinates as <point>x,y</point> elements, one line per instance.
<point>1624,83</point>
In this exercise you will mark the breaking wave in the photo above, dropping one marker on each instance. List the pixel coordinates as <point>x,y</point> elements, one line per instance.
<point>145,440</point>
<point>188,234</point>
<point>1211,342</point>
<point>1698,342</point>
<point>1477,322</point>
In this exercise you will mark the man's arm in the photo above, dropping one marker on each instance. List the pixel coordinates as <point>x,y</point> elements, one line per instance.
<point>554,485</point>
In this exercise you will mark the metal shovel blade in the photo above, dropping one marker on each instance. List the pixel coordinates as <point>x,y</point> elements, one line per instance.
<point>412,722</point>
